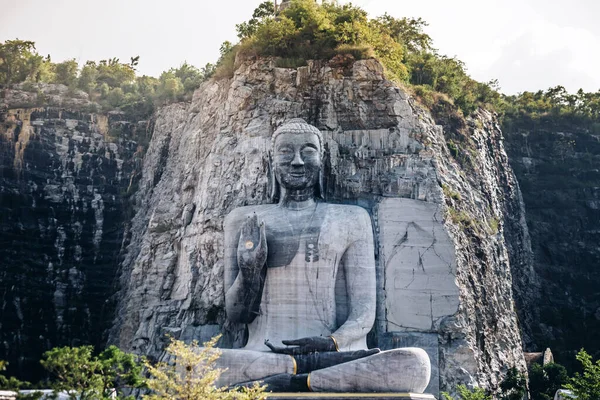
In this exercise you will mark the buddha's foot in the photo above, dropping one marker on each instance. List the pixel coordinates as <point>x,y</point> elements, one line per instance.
<point>280,383</point>
<point>398,370</point>
<point>314,361</point>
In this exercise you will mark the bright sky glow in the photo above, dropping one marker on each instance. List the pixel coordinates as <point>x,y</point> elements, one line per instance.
<point>525,44</point>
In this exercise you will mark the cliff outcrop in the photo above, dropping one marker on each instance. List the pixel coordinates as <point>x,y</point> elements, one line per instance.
<point>556,162</point>
<point>443,198</point>
<point>65,179</point>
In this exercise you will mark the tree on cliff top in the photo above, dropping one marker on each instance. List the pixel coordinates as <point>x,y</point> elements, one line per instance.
<point>307,30</point>
<point>18,61</point>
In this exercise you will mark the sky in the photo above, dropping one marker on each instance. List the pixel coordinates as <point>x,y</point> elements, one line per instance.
<point>527,45</point>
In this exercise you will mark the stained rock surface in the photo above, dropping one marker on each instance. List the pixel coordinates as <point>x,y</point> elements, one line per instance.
<point>64,183</point>
<point>384,153</point>
<point>557,165</point>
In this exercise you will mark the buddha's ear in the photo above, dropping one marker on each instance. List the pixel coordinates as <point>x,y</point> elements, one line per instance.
<point>320,189</point>
<point>274,189</point>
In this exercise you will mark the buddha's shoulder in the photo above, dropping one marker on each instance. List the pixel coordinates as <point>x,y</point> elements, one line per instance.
<point>349,213</point>
<point>247,211</point>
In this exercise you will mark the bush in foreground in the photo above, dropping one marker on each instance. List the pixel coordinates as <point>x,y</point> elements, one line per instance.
<point>191,374</point>
<point>84,376</point>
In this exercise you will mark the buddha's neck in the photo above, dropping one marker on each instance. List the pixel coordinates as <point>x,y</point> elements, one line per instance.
<point>298,199</point>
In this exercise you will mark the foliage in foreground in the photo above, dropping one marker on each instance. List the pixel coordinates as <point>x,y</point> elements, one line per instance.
<point>13,384</point>
<point>465,394</point>
<point>84,376</point>
<point>545,380</point>
<point>191,374</point>
<point>514,385</point>
<point>586,385</point>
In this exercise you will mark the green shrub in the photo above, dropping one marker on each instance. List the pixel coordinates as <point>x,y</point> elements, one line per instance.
<point>494,225</point>
<point>18,61</point>
<point>290,62</point>
<point>586,385</point>
<point>192,374</point>
<point>448,192</point>
<point>545,380</point>
<point>466,394</point>
<point>461,218</point>
<point>85,376</point>
<point>66,72</point>
<point>514,385</point>
<point>358,51</point>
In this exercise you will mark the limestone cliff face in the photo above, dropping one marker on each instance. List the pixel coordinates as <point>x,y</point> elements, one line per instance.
<point>451,287</point>
<point>63,190</point>
<point>557,165</point>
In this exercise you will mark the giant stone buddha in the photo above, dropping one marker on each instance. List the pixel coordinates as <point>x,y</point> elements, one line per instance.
<point>301,274</point>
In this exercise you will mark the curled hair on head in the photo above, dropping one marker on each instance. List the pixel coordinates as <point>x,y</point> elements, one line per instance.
<point>298,126</point>
<point>294,126</point>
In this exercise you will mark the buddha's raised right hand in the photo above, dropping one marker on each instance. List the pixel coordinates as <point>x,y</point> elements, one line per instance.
<point>252,248</point>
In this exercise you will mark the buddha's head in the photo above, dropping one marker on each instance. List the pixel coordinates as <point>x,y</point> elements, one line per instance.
<point>296,158</point>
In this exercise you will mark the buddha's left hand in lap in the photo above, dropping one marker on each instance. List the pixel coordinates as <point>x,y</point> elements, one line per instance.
<point>305,345</point>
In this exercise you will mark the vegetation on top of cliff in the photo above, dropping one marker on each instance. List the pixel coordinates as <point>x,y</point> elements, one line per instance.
<point>301,31</point>
<point>110,83</point>
<point>307,30</point>
<point>555,107</point>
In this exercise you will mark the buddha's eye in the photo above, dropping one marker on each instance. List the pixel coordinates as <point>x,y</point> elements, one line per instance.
<point>284,150</point>
<point>309,151</point>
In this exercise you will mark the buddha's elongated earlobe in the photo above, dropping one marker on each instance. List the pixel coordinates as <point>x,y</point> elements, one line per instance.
<point>274,189</point>
<point>320,192</point>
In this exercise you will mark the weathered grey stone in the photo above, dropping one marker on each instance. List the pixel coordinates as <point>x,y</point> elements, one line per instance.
<point>350,396</point>
<point>557,169</point>
<point>303,270</point>
<point>64,184</point>
<point>31,95</point>
<point>563,394</point>
<point>8,395</point>
<point>217,159</point>
<point>399,370</point>
<point>425,341</point>
<point>419,265</point>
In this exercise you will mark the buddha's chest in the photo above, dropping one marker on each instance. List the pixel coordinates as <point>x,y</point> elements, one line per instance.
<point>309,238</point>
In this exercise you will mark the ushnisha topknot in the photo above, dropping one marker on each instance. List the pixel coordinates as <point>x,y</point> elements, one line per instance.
<point>298,126</point>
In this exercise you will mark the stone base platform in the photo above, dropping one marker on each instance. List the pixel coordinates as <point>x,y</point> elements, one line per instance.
<point>350,396</point>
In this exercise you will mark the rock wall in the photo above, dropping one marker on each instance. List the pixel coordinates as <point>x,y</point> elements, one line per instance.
<point>385,154</point>
<point>556,163</point>
<point>64,183</point>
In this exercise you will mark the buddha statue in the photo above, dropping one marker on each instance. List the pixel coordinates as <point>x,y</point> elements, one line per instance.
<point>301,274</point>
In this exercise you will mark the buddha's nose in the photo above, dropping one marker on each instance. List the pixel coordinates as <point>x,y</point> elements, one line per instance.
<point>297,161</point>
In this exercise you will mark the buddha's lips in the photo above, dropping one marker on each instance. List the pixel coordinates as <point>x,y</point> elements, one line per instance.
<point>297,174</point>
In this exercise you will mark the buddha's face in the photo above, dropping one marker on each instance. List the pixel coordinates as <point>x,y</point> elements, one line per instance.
<point>297,160</point>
